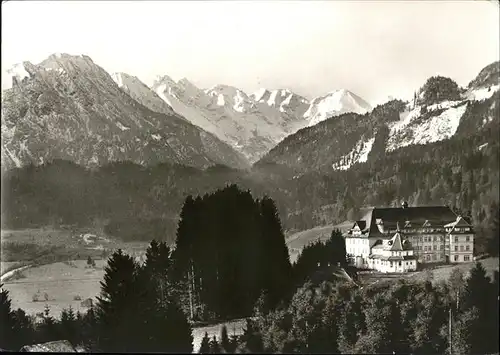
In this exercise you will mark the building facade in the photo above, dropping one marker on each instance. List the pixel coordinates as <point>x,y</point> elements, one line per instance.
<point>436,234</point>
<point>393,255</point>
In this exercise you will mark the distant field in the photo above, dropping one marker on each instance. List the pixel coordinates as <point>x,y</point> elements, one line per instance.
<point>39,236</point>
<point>299,240</point>
<point>47,245</point>
<point>51,251</point>
<point>61,281</point>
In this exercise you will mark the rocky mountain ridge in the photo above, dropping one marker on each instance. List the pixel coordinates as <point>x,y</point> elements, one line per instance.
<point>67,107</point>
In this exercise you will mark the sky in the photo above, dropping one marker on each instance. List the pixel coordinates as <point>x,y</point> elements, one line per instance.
<point>373,48</point>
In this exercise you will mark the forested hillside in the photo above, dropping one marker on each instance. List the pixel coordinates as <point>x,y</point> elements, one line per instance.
<point>314,176</point>
<point>134,202</point>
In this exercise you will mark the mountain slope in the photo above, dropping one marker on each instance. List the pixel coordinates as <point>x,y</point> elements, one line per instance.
<point>441,111</point>
<point>141,93</point>
<point>67,107</point>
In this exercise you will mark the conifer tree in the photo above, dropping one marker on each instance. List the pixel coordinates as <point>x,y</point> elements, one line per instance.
<point>25,333</point>
<point>205,345</point>
<point>118,306</point>
<point>214,346</point>
<point>224,339</point>
<point>48,328</point>
<point>479,294</point>
<point>7,320</point>
<point>68,326</point>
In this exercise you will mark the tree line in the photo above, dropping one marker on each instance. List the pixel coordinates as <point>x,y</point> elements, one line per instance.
<point>151,307</point>
<point>404,316</point>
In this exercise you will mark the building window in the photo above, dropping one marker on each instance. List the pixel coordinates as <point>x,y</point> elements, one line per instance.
<point>467,238</point>
<point>435,238</point>
<point>400,263</point>
<point>428,257</point>
<point>440,246</point>
<point>461,248</point>
<point>456,247</point>
<point>467,247</point>
<point>434,257</point>
<point>435,247</point>
<point>467,229</point>
<point>466,258</point>
<point>455,257</point>
<point>456,239</point>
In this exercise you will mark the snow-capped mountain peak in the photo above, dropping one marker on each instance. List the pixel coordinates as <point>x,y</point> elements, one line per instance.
<point>335,103</point>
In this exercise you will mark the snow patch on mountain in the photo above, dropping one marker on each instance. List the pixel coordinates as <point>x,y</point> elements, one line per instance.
<point>285,103</point>
<point>257,96</point>
<point>220,100</point>
<point>238,102</point>
<point>443,105</point>
<point>117,77</point>
<point>359,154</point>
<point>161,92</point>
<point>481,94</point>
<point>15,159</point>
<point>16,73</point>
<point>411,129</point>
<point>482,146</point>
<point>272,98</point>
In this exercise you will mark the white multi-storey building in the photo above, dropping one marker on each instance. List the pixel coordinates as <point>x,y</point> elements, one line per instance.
<point>435,233</point>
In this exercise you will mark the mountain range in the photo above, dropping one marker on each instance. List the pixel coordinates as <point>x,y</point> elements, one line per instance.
<point>67,107</point>
<point>70,108</point>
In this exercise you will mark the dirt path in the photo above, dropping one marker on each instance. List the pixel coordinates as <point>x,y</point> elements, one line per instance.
<point>9,274</point>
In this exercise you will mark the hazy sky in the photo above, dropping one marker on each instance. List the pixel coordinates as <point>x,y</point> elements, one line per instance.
<point>373,48</point>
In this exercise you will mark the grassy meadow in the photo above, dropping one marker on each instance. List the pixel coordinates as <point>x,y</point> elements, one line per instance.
<point>58,266</point>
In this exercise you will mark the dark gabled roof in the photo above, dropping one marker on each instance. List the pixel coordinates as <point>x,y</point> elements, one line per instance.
<point>396,244</point>
<point>361,224</point>
<point>417,216</point>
